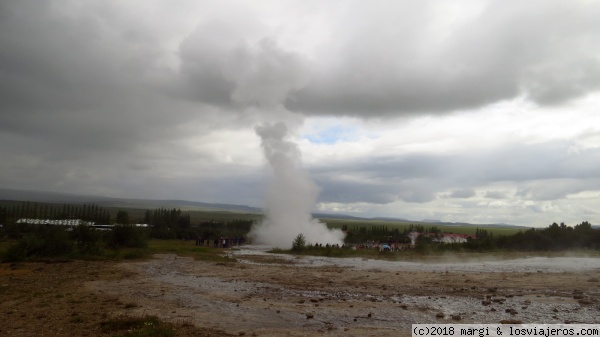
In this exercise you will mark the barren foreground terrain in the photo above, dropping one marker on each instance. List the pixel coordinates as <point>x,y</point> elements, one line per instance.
<point>276,295</point>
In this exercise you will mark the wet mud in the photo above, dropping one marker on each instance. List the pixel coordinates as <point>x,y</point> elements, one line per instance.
<point>273,295</point>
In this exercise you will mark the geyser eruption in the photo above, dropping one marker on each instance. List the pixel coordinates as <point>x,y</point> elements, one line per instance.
<point>264,75</point>
<point>291,196</point>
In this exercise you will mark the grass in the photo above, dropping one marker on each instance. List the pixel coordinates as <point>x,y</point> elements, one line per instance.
<point>155,246</point>
<point>188,248</point>
<point>4,246</point>
<point>178,247</point>
<point>138,327</point>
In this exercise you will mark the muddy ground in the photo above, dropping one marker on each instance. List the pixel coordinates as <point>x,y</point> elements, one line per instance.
<point>271,295</point>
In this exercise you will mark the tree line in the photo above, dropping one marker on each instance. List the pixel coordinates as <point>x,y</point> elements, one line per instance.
<point>34,210</point>
<point>175,224</point>
<point>553,238</point>
<point>382,233</point>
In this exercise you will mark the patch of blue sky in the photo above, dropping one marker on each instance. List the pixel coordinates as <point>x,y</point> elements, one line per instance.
<point>332,135</point>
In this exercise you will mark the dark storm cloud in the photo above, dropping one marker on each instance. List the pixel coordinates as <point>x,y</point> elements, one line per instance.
<point>546,50</point>
<point>85,101</point>
<point>72,78</point>
<point>61,62</point>
<point>229,70</point>
<point>204,57</point>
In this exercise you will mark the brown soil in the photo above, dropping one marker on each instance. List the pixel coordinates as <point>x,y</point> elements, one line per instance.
<point>280,299</point>
<point>50,299</point>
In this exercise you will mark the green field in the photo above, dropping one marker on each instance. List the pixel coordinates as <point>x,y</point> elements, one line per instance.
<point>401,225</point>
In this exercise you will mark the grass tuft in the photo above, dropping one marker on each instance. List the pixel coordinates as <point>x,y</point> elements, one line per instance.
<point>124,326</point>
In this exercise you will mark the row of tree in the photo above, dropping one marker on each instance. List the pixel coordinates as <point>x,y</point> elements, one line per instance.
<point>163,223</point>
<point>34,210</point>
<point>553,238</point>
<point>41,241</point>
<point>383,233</point>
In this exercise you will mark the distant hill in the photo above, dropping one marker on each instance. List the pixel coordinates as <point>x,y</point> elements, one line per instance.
<point>185,205</point>
<point>54,197</point>
<point>336,216</point>
<point>499,225</point>
<point>44,196</point>
<point>431,221</point>
<point>390,219</point>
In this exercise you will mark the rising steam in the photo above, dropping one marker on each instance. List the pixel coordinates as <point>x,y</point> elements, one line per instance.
<point>264,75</point>
<point>291,196</point>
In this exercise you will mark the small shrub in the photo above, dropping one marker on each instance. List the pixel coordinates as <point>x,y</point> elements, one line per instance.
<point>40,243</point>
<point>299,243</point>
<point>87,240</point>
<point>127,236</point>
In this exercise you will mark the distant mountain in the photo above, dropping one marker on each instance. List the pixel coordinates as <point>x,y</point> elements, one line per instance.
<point>383,218</point>
<point>55,197</point>
<point>180,204</point>
<point>44,196</point>
<point>473,225</point>
<point>336,216</point>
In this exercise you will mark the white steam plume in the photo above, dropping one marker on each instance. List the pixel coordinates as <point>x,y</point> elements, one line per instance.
<point>264,75</point>
<point>291,196</point>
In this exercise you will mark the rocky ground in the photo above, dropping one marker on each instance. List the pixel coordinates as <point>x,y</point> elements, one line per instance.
<point>266,295</point>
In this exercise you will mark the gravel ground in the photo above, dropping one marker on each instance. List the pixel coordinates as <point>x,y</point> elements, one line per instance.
<point>280,295</point>
<point>270,295</point>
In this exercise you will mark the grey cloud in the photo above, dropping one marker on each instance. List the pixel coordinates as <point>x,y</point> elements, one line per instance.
<point>88,80</point>
<point>203,56</point>
<point>86,101</point>
<point>233,69</point>
<point>544,190</point>
<point>375,192</point>
<point>462,193</point>
<point>495,195</point>
<point>340,191</point>
<point>380,180</point>
<point>543,171</point>
<point>89,97</point>
<point>69,76</point>
<point>545,50</point>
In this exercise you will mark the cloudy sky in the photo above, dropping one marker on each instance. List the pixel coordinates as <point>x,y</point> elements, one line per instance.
<point>476,111</point>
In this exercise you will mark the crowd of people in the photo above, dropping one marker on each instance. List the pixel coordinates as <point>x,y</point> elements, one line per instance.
<point>381,246</point>
<point>221,242</point>
<point>228,242</point>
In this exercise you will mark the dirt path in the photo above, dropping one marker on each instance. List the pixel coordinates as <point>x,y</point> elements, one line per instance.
<point>272,296</point>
